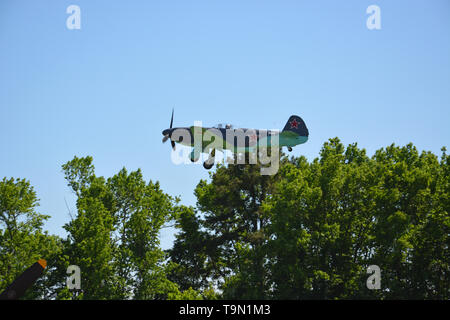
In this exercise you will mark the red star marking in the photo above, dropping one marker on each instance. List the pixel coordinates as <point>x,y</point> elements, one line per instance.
<point>253,137</point>
<point>294,124</point>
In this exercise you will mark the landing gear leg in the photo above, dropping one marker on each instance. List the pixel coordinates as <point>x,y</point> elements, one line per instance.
<point>195,155</point>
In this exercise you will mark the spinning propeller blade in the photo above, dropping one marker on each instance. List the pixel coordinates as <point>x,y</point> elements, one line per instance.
<point>168,136</point>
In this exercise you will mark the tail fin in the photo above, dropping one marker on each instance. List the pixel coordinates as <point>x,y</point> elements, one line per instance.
<point>297,125</point>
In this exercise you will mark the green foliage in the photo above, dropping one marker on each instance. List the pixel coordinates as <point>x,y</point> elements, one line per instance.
<point>189,294</point>
<point>308,232</point>
<point>187,254</point>
<point>311,231</point>
<point>227,241</point>
<point>114,238</point>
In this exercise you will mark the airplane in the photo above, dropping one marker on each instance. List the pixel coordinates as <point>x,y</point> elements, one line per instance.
<point>294,133</point>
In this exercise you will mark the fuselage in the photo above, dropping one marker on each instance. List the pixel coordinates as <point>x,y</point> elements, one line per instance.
<point>236,140</point>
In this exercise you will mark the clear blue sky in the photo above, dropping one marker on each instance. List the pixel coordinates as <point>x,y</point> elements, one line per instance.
<point>107,90</point>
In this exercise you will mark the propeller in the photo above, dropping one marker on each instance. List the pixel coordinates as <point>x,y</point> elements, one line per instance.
<point>167,136</point>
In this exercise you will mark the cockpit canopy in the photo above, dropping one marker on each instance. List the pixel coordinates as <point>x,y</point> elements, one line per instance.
<point>226,126</point>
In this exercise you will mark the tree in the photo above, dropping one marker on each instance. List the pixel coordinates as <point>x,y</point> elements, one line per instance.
<point>224,245</point>
<point>321,217</point>
<point>114,238</point>
<point>344,211</point>
<point>188,254</point>
<point>312,230</point>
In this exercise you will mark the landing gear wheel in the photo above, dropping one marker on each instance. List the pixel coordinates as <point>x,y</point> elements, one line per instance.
<point>207,165</point>
<point>193,159</point>
<point>289,149</point>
